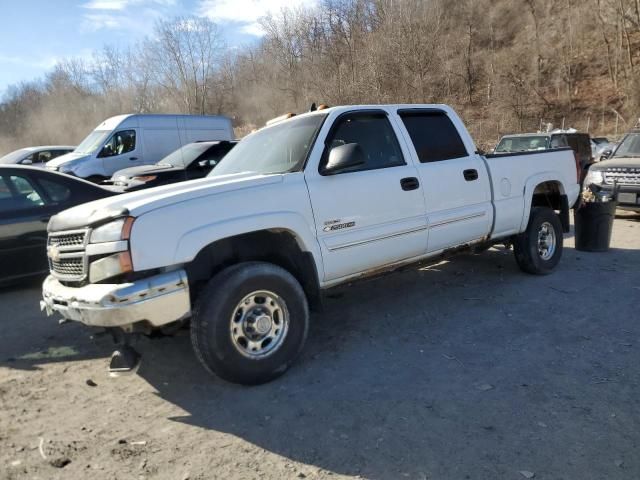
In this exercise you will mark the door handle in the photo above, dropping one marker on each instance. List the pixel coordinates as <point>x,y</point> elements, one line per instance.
<point>133,158</point>
<point>470,175</point>
<point>409,183</point>
<point>44,219</point>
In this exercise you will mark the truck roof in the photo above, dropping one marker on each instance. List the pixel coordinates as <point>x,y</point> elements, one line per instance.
<point>153,120</point>
<point>348,108</point>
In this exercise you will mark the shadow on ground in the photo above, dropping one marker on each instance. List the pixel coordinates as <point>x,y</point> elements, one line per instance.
<point>463,369</point>
<point>467,369</point>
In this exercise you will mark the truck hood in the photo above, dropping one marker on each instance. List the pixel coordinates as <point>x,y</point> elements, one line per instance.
<point>143,201</point>
<point>66,158</point>
<point>631,162</point>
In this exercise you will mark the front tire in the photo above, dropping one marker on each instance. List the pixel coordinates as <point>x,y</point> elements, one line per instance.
<point>250,323</point>
<point>539,248</point>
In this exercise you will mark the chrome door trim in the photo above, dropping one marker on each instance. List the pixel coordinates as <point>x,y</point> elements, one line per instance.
<point>458,219</point>
<point>371,240</point>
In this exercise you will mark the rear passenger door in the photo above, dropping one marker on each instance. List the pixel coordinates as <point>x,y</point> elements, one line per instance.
<point>372,214</point>
<point>455,181</point>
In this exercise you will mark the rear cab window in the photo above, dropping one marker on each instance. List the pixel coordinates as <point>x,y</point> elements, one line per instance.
<point>433,134</point>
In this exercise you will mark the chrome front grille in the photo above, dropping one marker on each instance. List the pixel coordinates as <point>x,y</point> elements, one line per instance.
<point>69,267</point>
<point>68,240</point>
<point>67,255</point>
<point>622,176</point>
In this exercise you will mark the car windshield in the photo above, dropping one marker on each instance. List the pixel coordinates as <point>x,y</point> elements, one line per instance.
<point>279,148</point>
<point>629,147</point>
<point>14,157</point>
<point>93,141</point>
<point>185,155</point>
<point>522,144</point>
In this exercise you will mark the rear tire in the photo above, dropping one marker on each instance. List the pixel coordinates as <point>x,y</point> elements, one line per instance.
<point>539,248</point>
<point>250,323</point>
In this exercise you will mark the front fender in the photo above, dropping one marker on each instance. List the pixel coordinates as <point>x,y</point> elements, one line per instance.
<point>195,240</point>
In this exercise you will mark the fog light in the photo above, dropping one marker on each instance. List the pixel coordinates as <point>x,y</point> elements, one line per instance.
<point>110,267</point>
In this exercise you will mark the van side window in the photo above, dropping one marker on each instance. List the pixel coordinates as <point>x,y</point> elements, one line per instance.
<point>119,143</point>
<point>375,137</point>
<point>434,135</point>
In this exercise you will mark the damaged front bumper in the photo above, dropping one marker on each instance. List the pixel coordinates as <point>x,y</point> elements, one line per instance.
<point>157,300</point>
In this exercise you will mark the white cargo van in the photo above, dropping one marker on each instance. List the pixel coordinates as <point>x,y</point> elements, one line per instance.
<point>131,140</point>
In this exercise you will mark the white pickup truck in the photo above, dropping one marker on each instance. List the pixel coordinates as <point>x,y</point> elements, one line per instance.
<point>301,205</point>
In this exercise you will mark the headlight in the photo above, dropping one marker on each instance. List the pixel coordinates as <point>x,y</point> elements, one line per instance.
<point>113,231</point>
<point>594,176</point>
<point>110,267</point>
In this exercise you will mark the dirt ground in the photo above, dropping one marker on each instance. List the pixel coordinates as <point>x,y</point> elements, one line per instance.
<point>466,369</point>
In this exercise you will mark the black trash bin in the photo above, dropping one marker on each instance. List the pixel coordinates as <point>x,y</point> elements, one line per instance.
<point>594,223</point>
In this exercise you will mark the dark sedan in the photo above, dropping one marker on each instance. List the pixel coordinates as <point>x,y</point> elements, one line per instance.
<point>194,160</point>
<point>28,198</point>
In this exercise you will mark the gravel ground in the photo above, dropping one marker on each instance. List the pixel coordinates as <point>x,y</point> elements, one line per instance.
<point>466,369</point>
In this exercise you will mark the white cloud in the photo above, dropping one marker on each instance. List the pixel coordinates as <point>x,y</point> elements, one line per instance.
<point>245,12</point>
<point>118,5</point>
<point>105,4</point>
<point>129,15</point>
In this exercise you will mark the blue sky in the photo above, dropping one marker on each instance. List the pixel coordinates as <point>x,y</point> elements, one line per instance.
<point>37,33</point>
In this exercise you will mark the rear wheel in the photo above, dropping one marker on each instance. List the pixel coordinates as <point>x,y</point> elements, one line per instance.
<point>250,323</point>
<point>539,248</point>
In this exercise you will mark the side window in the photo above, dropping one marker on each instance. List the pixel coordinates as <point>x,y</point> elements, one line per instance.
<point>57,192</point>
<point>57,153</point>
<point>215,154</point>
<point>119,143</point>
<point>42,157</point>
<point>375,137</point>
<point>559,141</point>
<point>434,136</point>
<point>5,193</point>
<point>17,193</point>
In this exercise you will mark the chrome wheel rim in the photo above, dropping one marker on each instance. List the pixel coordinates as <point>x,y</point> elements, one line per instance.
<point>546,241</point>
<point>259,324</point>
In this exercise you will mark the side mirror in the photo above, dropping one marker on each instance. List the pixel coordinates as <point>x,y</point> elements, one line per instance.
<point>26,161</point>
<point>342,157</point>
<point>207,163</point>
<point>606,154</point>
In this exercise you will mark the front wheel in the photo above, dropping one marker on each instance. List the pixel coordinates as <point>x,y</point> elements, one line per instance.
<point>538,249</point>
<point>250,323</point>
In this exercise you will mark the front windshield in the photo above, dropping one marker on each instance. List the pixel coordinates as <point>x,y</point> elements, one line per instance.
<point>280,148</point>
<point>93,141</point>
<point>15,156</point>
<point>629,147</point>
<point>522,144</point>
<point>185,155</point>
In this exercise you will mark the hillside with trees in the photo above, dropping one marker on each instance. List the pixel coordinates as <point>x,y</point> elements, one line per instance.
<point>506,65</point>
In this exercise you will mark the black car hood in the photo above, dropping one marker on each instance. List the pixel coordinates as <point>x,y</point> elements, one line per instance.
<point>144,170</point>
<point>631,162</point>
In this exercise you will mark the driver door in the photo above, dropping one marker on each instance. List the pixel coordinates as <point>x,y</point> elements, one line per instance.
<point>369,215</point>
<point>122,150</point>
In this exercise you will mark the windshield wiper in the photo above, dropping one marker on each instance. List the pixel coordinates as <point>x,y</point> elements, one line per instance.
<point>626,156</point>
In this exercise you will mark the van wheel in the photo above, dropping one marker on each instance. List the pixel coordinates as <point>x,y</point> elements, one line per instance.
<point>538,249</point>
<point>250,323</point>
